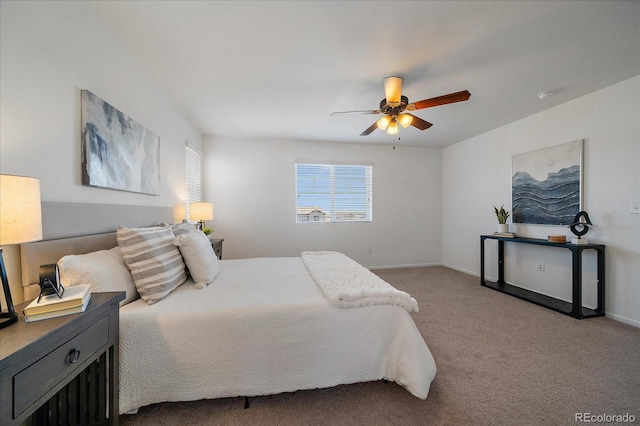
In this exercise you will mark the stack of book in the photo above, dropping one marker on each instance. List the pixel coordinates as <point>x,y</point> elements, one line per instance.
<point>73,301</point>
<point>505,234</point>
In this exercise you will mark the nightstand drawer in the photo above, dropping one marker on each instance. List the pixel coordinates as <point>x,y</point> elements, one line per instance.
<point>33,382</point>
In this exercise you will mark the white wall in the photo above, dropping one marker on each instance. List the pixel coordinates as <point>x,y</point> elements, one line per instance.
<point>49,51</point>
<point>477,176</point>
<point>251,184</point>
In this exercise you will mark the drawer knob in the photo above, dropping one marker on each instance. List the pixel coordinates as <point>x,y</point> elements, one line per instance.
<point>74,355</point>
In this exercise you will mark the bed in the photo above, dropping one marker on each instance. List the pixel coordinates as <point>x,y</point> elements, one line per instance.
<point>264,326</point>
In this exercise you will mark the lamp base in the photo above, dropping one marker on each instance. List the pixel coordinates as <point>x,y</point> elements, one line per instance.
<point>10,315</point>
<point>9,319</point>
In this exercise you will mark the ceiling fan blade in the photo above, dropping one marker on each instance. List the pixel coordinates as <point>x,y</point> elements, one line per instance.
<point>370,129</point>
<point>366,111</point>
<point>393,90</point>
<point>419,123</point>
<point>440,100</point>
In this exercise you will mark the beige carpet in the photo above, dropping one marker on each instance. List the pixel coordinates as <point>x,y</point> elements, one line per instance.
<point>501,361</point>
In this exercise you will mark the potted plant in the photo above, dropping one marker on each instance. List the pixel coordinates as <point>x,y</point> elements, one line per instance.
<point>502,216</point>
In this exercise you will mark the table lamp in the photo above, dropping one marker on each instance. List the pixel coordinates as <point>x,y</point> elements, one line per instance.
<point>201,212</point>
<point>20,222</point>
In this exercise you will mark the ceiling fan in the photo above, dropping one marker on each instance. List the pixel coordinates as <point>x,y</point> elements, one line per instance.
<point>395,104</point>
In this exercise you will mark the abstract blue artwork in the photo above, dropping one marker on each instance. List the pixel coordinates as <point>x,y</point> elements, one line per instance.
<point>546,185</point>
<point>117,152</point>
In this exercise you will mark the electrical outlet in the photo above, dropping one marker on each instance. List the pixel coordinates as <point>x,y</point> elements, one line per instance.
<point>541,266</point>
<point>370,249</point>
<point>518,261</point>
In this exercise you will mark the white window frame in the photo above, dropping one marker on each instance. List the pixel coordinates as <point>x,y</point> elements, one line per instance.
<point>193,178</point>
<point>336,211</point>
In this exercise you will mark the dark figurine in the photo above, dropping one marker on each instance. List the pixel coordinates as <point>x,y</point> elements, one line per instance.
<point>578,227</point>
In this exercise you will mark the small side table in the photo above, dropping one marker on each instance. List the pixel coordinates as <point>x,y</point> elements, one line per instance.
<point>62,370</point>
<point>216,244</point>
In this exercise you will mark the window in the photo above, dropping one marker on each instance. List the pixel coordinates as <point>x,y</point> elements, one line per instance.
<point>333,193</point>
<point>194,178</point>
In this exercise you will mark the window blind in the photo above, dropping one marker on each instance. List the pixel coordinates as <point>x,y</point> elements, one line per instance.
<point>194,178</point>
<point>333,193</point>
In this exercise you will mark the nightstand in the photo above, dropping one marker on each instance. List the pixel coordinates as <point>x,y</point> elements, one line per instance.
<point>216,243</point>
<point>62,370</point>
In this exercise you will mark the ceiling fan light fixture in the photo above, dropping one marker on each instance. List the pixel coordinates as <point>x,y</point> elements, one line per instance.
<point>393,128</point>
<point>394,105</point>
<point>383,123</point>
<point>393,90</point>
<point>405,120</point>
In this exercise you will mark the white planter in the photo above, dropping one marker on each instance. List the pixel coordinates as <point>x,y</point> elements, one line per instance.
<point>503,227</point>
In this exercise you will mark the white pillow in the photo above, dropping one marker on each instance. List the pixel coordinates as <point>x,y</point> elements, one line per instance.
<point>198,254</point>
<point>103,270</point>
<point>155,263</point>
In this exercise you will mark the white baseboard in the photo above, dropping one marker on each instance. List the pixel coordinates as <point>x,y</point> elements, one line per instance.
<point>475,274</point>
<point>625,320</point>
<point>417,265</point>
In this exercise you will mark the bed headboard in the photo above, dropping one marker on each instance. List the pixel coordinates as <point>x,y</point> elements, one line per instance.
<point>74,228</point>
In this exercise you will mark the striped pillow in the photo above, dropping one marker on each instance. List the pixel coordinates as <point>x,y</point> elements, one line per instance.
<point>156,265</point>
<point>184,227</point>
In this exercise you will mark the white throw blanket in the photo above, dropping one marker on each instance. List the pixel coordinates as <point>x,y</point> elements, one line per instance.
<point>347,284</point>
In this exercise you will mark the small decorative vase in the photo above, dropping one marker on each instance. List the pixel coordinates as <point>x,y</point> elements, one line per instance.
<point>503,227</point>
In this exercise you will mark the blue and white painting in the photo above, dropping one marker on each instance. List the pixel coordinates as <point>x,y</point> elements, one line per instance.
<point>117,152</point>
<point>546,185</point>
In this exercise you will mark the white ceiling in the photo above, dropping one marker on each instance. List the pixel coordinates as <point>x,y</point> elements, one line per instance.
<point>277,70</point>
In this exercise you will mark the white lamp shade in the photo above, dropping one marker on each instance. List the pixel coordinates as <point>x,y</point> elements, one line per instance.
<point>405,120</point>
<point>20,211</point>
<point>393,90</point>
<point>383,123</point>
<point>393,128</point>
<point>201,211</point>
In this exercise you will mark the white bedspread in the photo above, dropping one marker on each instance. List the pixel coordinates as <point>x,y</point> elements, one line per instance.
<point>262,327</point>
<point>347,284</point>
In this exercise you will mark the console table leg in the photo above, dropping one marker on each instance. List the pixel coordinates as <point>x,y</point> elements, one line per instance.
<point>601,276</point>
<point>577,283</point>
<point>501,262</point>
<point>482,261</point>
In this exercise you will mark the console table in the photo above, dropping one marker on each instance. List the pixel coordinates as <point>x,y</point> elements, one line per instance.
<point>573,308</point>
<point>62,370</point>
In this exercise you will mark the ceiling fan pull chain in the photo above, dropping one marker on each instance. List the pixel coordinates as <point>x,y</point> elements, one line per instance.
<point>394,142</point>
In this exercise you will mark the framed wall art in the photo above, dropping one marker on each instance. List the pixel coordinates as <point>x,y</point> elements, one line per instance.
<point>117,152</point>
<point>546,185</point>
